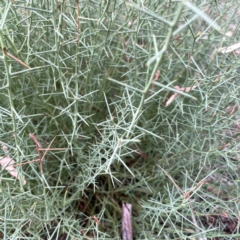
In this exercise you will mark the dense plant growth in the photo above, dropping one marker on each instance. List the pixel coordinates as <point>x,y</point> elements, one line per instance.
<point>124,101</point>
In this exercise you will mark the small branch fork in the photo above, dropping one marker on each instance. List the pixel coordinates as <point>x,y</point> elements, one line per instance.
<point>187,198</point>
<point>39,149</point>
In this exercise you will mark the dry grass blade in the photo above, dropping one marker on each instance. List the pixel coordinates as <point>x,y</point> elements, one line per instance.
<point>230,48</point>
<point>175,95</point>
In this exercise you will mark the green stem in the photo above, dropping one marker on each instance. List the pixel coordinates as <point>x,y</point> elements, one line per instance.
<point>158,60</point>
<point>10,97</point>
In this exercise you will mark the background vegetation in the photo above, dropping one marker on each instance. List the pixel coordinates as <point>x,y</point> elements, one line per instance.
<point>99,78</point>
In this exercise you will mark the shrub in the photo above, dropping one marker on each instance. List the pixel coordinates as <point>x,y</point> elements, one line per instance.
<point>132,101</point>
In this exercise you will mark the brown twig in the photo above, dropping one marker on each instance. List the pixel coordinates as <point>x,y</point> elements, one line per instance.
<point>38,146</point>
<point>48,148</point>
<point>156,76</point>
<point>234,109</point>
<point>179,189</point>
<point>39,149</point>
<point>15,58</point>
<point>24,163</point>
<point>126,221</point>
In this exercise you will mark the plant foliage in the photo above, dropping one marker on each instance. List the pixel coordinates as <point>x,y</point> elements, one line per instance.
<point>132,101</point>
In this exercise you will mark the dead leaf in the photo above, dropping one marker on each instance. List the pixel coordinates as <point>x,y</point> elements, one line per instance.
<point>8,164</point>
<point>175,95</point>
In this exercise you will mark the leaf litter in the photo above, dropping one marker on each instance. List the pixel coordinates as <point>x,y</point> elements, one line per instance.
<point>8,164</point>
